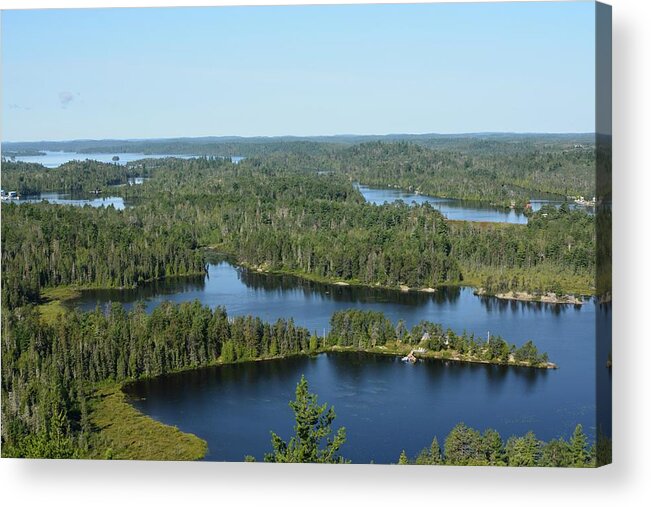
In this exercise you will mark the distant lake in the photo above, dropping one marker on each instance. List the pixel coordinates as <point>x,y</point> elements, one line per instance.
<point>385,404</point>
<point>53,159</point>
<point>63,198</point>
<point>454,209</point>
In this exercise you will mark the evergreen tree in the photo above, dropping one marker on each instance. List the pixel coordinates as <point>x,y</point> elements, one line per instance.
<point>311,442</point>
<point>464,446</point>
<point>579,454</point>
<point>523,451</point>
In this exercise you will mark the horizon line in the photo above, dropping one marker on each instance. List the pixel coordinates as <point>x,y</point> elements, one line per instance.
<point>296,136</point>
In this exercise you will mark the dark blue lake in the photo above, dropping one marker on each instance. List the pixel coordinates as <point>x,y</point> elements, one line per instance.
<point>384,404</point>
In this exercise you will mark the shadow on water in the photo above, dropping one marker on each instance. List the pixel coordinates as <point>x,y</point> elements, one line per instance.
<point>343,293</point>
<point>493,304</point>
<point>164,286</point>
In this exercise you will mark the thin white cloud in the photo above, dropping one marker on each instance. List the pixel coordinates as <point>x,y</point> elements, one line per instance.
<point>66,98</point>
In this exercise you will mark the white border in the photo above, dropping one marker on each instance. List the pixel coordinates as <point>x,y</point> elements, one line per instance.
<point>626,482</point>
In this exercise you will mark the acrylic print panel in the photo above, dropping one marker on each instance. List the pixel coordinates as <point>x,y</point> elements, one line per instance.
<point>357,233</point>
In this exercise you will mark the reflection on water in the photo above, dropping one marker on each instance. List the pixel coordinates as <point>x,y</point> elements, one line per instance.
<point>384,404</point>
<point>493,304</point>
<point>459,209</point>
<point>288,284</point>
<point>452,209</point>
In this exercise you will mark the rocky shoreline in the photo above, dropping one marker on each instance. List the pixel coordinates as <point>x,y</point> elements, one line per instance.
<point>550,297</point>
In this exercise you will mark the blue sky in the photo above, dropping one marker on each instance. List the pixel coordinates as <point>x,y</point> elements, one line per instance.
<point>310,70</point>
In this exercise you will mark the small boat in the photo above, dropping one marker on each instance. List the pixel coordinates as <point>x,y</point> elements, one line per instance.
<point>410,358</point>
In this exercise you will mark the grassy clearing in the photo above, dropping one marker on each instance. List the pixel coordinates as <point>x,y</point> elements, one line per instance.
<point>124,433</point>
<point>52,307</point>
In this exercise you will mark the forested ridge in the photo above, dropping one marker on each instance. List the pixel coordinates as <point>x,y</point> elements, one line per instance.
<point>495,178</point>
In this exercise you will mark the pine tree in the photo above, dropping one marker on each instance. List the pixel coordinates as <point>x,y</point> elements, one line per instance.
<point>311,442</point>
<point>579,454</point>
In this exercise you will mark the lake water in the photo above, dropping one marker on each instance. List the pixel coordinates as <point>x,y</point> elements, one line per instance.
<point>62,198</point>
<point>452,209</point>
<point>53,159</point>
<point>455,209</point>
<point>384,404</point>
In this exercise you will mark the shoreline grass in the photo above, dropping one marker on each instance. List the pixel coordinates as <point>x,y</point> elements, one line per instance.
<point>123,432</point>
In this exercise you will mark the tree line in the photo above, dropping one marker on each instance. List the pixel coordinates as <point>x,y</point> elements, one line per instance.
<point>465,446</point>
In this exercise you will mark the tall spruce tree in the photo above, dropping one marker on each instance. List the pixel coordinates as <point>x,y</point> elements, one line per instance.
<point>311,442</point>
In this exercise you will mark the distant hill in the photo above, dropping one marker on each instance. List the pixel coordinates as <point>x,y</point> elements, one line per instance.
<point>252,146</point>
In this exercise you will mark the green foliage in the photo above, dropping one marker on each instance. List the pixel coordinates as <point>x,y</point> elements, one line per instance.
<point>47,368</point>
<point>369,329</point>
<point>466,446</point>
<point>492,172</point>
<point>291,207</point>
<point>556,453</point>
<point>554,252</point>
<point>76,177</point>
<point>120,431</point>
<point>287,212</point>
<point>311,442</point>
<point>47,245</point>
<point>579,452</point>
<point>523,451</point>
<point>428,456</point>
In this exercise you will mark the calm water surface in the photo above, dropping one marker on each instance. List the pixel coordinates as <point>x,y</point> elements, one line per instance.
<point>63,198</point>
<point>384,404</point>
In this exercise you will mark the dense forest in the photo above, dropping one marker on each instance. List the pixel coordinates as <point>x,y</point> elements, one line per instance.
<point>49,371</point>
<point>498,178</point>
<point>491,168</point>
<point>279,214</point>
<point>554,252</point>
<point>47,245</point>
<point>75,177</point>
